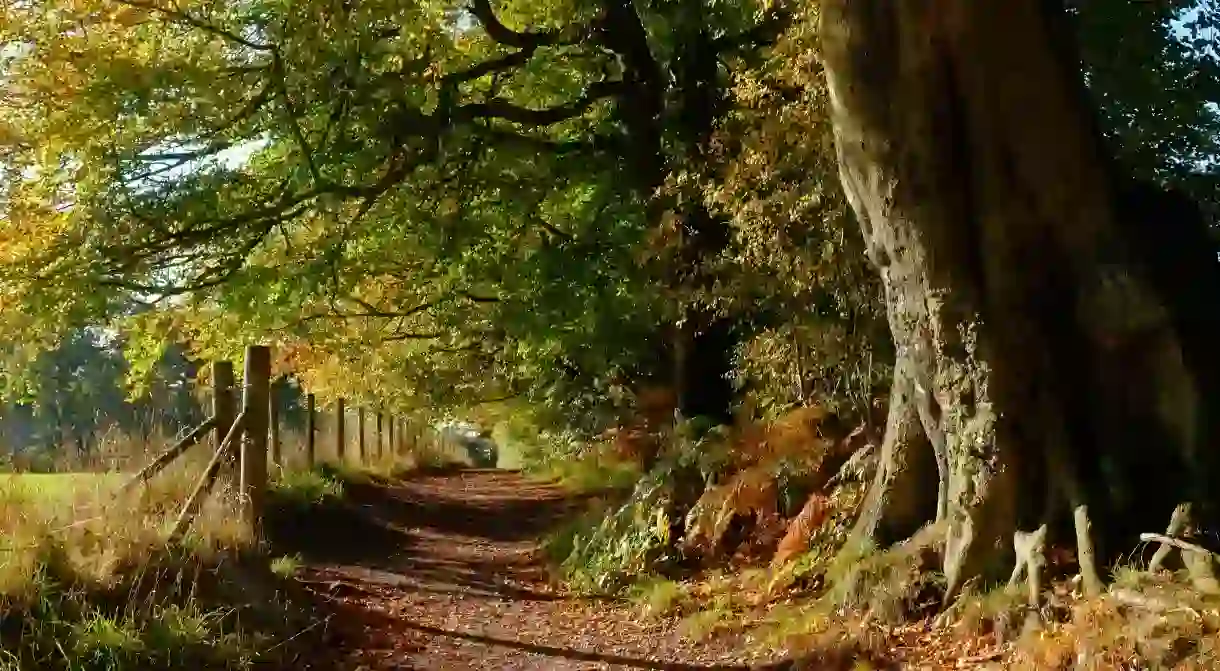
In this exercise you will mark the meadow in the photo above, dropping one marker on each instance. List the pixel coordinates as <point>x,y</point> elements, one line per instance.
<point>89,582</point>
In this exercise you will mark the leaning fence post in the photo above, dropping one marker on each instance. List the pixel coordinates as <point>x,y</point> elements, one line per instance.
<point>340,430</point>
<point>223,405</point>
<point>169,455</point>
<point>255,405</point>
<point>206,479</point>
<point>311,430</point>
<point>273,421</point>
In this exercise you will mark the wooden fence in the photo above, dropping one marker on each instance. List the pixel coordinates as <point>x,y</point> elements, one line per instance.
<point>247,440</point>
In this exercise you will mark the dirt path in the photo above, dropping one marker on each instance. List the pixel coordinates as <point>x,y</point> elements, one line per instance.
<point>439,572</point>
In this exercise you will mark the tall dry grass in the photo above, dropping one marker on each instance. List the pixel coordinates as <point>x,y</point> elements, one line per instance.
<point>89,582</point>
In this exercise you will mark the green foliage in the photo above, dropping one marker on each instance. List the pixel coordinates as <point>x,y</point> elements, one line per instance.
<point>305,488</point>
<point>632,538</point>
<point>79,391</point>
<point>796,270</point>
<point>1154,72</point>
<point>286,566</point>
<point>450,196</point>
<point>63,636</point>
<point>658,596</point>
<point>628,544</point>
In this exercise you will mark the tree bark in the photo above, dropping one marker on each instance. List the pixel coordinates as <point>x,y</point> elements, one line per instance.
<point>900,499</point>
<point>1025,313</point>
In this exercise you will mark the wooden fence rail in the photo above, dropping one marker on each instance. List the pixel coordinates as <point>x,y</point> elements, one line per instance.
<point>206,480</point>
<point>165,458</point>
<point>244,442</point>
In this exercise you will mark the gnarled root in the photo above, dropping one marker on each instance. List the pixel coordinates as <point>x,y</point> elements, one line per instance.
<point>898,502</point>
<point>1031,557</point>
<point>1197,560</point>
<point>1178,522</point>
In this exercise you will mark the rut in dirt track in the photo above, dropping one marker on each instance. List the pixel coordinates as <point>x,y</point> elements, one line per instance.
<point>439,571</point>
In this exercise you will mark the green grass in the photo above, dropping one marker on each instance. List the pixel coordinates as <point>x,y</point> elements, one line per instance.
<point>62,486</point>
<point>659,596</point>
<point>312,487</point>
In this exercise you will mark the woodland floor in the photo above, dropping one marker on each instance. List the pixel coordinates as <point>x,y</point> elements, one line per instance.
<point>441,571</point>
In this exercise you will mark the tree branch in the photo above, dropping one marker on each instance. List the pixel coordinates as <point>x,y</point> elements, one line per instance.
<point>293,121</point>
<point>473,298</point>
<point>501,64</point>
<point>183,17</point>
<point>763,34</point>
<point>530,39</point>
<point>498,108</point>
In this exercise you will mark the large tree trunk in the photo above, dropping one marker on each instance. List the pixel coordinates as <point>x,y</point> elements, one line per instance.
<point>1037,342</point>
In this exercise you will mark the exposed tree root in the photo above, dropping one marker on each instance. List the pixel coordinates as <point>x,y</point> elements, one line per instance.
<point>898,502</point>
<point>1197,559</point>
<point>1177,525</point>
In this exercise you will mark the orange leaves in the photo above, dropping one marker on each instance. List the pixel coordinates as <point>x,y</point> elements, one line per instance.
<point>753,490</point>
<point>802,527</point>
<point>803,435</point>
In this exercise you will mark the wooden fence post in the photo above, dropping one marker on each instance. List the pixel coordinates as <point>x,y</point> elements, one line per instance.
<point>340,431</point>
<point>223,405</point>
<point>273,421</point>
<point>360,447</point>
<point>255,406</point>
<point>311,430</point>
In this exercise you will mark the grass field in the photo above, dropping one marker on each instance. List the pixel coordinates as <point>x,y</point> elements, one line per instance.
<point>58,486</point>
<point>89,583</point>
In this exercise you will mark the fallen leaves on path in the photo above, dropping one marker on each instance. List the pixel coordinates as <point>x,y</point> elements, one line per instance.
<point>461,588</point>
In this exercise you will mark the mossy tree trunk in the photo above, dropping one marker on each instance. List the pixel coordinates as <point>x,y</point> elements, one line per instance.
<point>1039,338</point>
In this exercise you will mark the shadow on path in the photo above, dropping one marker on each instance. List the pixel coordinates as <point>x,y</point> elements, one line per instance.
<point>439,571</point>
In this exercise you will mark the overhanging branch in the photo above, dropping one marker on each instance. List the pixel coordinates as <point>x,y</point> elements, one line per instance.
<point>498,108</point>
<point>183,17</point>
<point>530,39</point>
<point>764,33</point>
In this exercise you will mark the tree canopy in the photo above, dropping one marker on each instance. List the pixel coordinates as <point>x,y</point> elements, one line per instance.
<point>447,203</point>
<point>390,192</point>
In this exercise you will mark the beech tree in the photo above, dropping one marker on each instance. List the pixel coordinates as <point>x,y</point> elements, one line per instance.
<point>1046,332</point>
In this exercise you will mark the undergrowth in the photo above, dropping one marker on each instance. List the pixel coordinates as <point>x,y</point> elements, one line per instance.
<point>668,543</point>
<point>708,489</point>
<point>313,487</point>
<point>607,550</point>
